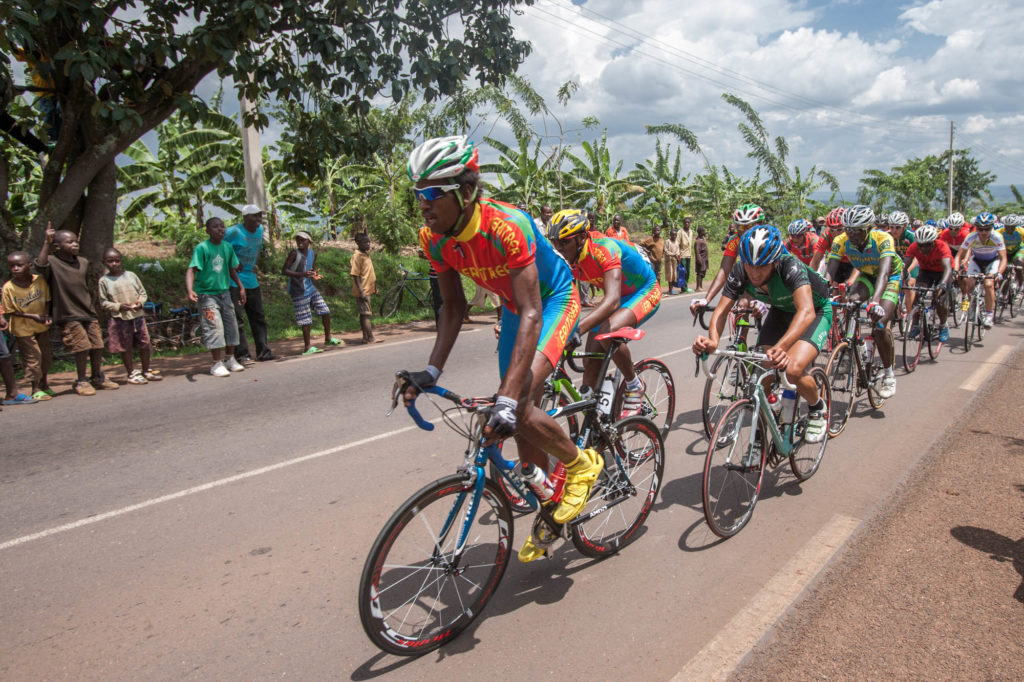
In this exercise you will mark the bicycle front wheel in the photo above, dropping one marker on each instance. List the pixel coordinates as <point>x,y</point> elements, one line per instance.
<point>659,394</point>
<point>842,379</point>
<point>805,458</point>
<point>934,328</point>
<point>392,301</point>
<point>912,346</point>
<point>733,470</point>
<point>875,374</point>
<point>722,390</point>
<point>970,321</point>
<point>956,311</point>
<point>417,591</point>
<point>622,497</point>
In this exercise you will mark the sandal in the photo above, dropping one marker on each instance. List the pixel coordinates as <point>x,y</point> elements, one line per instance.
<point>20,399</point>
<point>136,377</point>
<point>311,350</point>
<point>334,342</point>
<point>153,375</point>
<point>42,395</point>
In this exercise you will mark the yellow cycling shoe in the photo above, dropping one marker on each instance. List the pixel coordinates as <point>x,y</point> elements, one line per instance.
<point>530,551</point>
<point>580,477</point>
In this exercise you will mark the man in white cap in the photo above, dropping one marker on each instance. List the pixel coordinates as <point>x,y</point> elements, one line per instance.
<point>246,238</point>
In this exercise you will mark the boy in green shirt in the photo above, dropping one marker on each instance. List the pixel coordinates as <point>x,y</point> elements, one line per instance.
<point>208,281</point>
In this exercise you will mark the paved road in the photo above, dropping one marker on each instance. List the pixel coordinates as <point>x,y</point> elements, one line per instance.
<point>203,529</point>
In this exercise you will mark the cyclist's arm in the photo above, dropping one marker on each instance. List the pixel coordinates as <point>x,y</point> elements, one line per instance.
<point>707,344</point>
<point>449,319</point>
<point>1002,261</point>
<point>609,304</point>
<point>947,272</point>
<point>526,298</point>
<point>909,267</point>
<point>719,281</point>
<point>884,265</point>
<point>962,255</point>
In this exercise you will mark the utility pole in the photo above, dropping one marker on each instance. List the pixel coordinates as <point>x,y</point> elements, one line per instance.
<point>950,195</point>
<point>252,158</point>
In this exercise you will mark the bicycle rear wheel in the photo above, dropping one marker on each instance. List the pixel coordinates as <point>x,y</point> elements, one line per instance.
<point>956,300</point>
<point>970,321</point>
<point>414,595</point>
<point>659,394</point>
<point>805,458</point>
<point>392,301</point>
<point>841,371</point>
<point>622,498</point>
<point>934,327</point>
<point>722,390</point>
<point>733,470</point>
<point>912,347</point>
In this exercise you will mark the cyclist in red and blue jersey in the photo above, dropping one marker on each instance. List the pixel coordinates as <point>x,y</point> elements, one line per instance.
<point>632,293</point>
<point>802,240</point>
<point>501,249</point>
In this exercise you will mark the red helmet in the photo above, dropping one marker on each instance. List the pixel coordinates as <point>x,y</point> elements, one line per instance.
<point>835,217</point>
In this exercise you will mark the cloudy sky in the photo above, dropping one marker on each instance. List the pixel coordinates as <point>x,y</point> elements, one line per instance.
<point>851,84</point>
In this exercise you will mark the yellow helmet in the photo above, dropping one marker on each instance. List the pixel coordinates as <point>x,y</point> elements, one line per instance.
<point>568,222</point>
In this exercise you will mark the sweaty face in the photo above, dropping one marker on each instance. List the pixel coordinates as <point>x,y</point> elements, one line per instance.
<point>758,274</point>
<point>858,236</point>
<point>569,247</point>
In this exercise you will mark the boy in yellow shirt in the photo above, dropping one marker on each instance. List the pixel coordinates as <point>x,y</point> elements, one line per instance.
<point>26,300</point>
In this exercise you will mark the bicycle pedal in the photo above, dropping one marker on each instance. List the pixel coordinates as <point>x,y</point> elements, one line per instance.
<point>543,534</point>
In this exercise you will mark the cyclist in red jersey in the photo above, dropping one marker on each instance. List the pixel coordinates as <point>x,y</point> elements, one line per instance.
<point>746,216</point>
<point>833,228</point>
<point>802,240</point>
<point>956,233</point>
<point>936,268</point>
<point>500,248</point>
<point>632,293</point>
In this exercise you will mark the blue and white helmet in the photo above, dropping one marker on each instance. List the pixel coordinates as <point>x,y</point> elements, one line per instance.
<point>761,245</point>
<point>798,226</point>
<point>984,219</point>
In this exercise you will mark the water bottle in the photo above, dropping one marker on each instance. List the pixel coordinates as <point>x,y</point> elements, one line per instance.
<point>788,400</point>
<point>774,402</point>
<point>538,482</point>
<point>869,348</point>
<point>604,403</point>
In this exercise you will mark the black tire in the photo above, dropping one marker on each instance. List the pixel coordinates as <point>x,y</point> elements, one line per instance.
<point>1000,307</point>
<point>805,458</point>
<point>412,617</point>
<point>733,471</point>
<point>912,347</point>
<point>624,502</point>
<point>841,371</point>
<point>1011,298</point>
<point>392,301</point>
<point>721,391</point>
<point>934,328</point>
<point>659,394</point>
<point>956,299</point>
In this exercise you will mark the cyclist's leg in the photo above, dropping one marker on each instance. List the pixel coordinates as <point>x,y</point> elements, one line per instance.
<point>883,335</point>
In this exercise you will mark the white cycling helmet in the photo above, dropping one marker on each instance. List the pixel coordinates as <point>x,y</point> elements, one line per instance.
<point>899,218</point>
<point>798,226</point>
<point>956,220</point>
<point>859,216</point>
<point>442,157</point>
<point>926,234</point>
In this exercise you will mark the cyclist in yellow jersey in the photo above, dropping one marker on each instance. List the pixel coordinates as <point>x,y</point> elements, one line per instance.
<point>873,253</point>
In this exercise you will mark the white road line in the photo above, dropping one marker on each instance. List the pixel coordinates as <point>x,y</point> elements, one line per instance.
<point>385,345</point>
<point>726,650</point>
<point>977,378</point>
<point>202,488</point>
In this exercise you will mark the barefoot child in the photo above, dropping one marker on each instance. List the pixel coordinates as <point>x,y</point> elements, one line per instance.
<point>122,296</point>
<point>26,299</point>
<point>364,284</point>
<point>300,268</point>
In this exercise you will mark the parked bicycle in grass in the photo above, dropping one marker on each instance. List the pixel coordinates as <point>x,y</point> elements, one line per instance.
<point>411,285</point>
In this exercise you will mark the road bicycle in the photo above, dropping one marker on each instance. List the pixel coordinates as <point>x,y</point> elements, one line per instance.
<point>924,319</point>
<point>441,555</point>
<point>409,283</point>
<point>750,437</point>
<point>1008,294</point>
<point>723,388</point>
<point>659,400</point>
<point>181,328</point>
<point>973,307</point>
<point>854,368</point>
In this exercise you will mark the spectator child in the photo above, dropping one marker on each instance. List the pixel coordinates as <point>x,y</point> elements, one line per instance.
<point>7,371</point>
<point>300,268</point>
<point>655,247</point>
<point>26,299</point>
<point>208,281</point>
<point>672,258</point>
<point>122,296</point>
<point>700,256</point>
<point>73,311</point>
<point>364,283</point>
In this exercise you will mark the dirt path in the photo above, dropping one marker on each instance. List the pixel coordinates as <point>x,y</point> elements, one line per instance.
<point>932,587</point>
